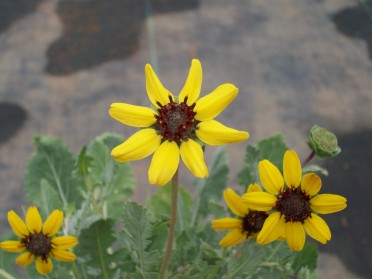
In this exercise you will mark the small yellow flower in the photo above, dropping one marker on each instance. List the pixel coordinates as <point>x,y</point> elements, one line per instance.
<point>173,127</point>
<point>36,240</point>
<point>295,202</point>
<point>247,225</point>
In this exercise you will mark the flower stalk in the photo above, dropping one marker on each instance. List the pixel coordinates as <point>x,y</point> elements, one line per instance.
<point>172,226</point>
<point>308,159</point>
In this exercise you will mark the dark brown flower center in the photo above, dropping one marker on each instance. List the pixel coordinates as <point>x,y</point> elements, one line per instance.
<point>176,122</point>
<point>38,244</point>
<point>253,222</point>
<point>294,204</point>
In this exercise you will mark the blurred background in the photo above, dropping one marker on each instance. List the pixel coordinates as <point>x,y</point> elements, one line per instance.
<point>296,63</point>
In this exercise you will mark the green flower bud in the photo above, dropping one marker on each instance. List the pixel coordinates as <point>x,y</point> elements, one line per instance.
<point>323,142</point>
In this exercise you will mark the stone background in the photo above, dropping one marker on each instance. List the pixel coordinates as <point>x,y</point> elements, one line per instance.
<point>296,63</point>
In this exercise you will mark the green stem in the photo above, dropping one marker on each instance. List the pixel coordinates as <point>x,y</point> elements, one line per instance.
<point>268,258</point>
<point>101,258</point>
<point>5,274</point>
<point>274,251</point>
<point>75,271</point>
<point>172,226</point>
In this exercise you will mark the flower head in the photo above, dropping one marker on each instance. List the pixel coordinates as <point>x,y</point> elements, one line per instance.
<point>248,223</point>
<point>174,126</point>
<point>295,203</point>
<point>37,241</point>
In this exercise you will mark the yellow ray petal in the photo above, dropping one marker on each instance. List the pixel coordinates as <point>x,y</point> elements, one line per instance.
<point>235,202</point>
<point>164,163</point>
<point>311,184</point>
<point>25,259</point>
<point>19,227</point>
<point>327,203</point>
<point>63,255</point>
<point>214,133</point>
<point>13,246</point>
<point>211,105</point>
<point>317,228</point>
<point>33,220</point>
<point>295,235</point>
<point>138,146</point>
<point>232,238</point>
<point>261,201</point>
<point>53,223</point>
<point>155,89</point>
<point>270,177</point>
<point>226,224</point>
<point>193,157</point>
<point>292,169</point>
<point>254,188</point>
<point>131,115</point>
<point>192,86</point>
<point>44,266</point>
<point>64,242</point>
<point>272,229</point>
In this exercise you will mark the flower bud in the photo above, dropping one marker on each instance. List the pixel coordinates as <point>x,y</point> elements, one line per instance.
<point>323,142</point>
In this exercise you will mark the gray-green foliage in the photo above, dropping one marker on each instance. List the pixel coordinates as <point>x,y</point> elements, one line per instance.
<point>119,238</point>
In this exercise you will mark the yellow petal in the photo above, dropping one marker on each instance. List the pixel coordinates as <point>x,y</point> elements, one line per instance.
<point>44,266</point>
<point>155,89</point>
<point>63,255</point>
<point>317,228</point>
<point>33,220</point>
<point>193,157</point>
<point>25,259</point>
<point>270,177</point>
<point>235,202</point>
<point>254,188</point>
<point>261,201</point>
<point>214,103</point>
<point>13,246</point>
<point>232,238</point>
<point>131,115</point>
<point>64,242</point>
<point>192,86</point>
<point>226,224</point>
<point>292,169</point>
<point>327,203</point>
<point>53,223</point>
<point>138,146</point>
<point>311,184</point>
<point>214,133</point>
<point>164,163</point>
<point>272,229</point>
<point>295,235</point>
<point>19,227</point>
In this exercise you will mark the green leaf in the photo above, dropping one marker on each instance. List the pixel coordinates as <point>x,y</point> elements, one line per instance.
<point>307,257</point>
<point>137,234</point>
<point>112,182</point>
<point>159,204</point>
<point>211,188</point>
<point>248,259</point>
<point>49,198</point>
<point>53,163</point>
<point>314,168</point>
<point>95,250</point>
<point>271,148</point>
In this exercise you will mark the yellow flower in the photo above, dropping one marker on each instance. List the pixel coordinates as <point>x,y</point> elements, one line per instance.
<point>37,241</point>
<point>247,225</point>
<point>295,202</point>
<point>173,126</point>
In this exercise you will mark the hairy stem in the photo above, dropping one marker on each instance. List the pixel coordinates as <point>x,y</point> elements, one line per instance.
<point>172,226</point>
